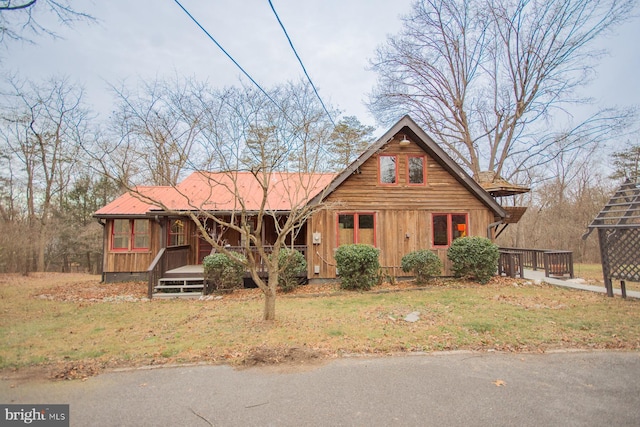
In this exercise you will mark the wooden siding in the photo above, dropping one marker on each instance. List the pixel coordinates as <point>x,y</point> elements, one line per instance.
<point>398,232</point>
<point>130,261</point>
<point>403,218</point>
<point>362,190</point>
<point>403,212</point>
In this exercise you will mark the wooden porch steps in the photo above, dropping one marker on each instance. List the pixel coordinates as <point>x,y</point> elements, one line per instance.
<point>179,286</point>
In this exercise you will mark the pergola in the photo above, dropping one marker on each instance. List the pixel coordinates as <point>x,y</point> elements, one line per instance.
<point>618,226</point>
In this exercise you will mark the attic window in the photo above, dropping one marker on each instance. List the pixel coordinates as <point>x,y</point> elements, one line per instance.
<point>416,170</point>
<point>388,169</point>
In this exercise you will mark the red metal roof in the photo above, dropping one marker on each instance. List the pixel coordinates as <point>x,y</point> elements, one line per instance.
<point>138,202</point>
<point>218,191</point>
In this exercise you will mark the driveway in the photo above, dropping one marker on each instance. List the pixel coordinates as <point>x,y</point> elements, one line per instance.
<point>444,389</point>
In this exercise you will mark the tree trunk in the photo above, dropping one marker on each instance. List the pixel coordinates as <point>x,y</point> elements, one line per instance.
<point>89,267</point>
<point>270,303</point>
<point>42,244</point>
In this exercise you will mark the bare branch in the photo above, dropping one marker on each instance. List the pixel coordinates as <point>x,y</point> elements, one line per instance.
<point>260,163</point>
<point>19,20</point>
<point>483,75</point>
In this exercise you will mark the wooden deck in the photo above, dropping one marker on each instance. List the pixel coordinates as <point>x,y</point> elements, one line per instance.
<point>196,271</point>
<point>555,263</point>
<point>169,275</point>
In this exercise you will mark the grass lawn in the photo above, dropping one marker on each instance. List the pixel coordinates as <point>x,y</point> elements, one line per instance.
<point>73,326</point>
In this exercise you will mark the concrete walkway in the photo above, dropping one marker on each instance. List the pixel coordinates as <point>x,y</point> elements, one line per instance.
<point>576,284</point>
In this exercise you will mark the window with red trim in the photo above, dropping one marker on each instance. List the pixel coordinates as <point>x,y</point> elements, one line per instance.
<point>121,233</point>
<point>448,227</point>
<point>130,234</point>
<point>388,169</point>
<point>141,235</point>
<point>416,170</point>
<point>356,228</point>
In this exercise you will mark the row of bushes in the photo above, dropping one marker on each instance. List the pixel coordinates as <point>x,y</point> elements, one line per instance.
<point>224,273</point>
<point>359,267</point>
<point>471,258</point>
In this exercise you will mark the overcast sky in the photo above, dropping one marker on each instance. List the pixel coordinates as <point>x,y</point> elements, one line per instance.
<point>335,39</point>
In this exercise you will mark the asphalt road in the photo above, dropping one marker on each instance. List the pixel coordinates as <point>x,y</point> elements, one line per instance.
<point>459,389</point>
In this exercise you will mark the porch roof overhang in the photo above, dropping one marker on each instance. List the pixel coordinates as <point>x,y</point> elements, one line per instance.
<point>222,193</point>
<point>122,216</point>
<point>177,213</point>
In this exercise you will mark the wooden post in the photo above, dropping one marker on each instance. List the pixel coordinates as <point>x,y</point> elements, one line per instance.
<point>609,285</point>
<point>546,266</point>
<point>571,265</point>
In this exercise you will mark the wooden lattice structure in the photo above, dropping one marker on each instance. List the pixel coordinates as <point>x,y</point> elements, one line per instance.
<point>618,226</point>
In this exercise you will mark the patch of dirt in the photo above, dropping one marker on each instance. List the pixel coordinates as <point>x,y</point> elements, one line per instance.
<point>333,288</point>
<point>85,288</point>
<point>77,370</point>
<point>94,291</point>
<point>288,357</point>
<point>531,302</point>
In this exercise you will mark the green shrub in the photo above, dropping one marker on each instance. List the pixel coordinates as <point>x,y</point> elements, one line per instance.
<point>474,257</point>
<point>223,272</point>
<point>424,265</point>
<point>358,266</point>
<point>291,264</point>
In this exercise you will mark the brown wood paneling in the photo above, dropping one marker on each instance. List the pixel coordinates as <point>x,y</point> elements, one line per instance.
<point>362,191</point>
<point>403,212</point>
<point>131,261</point>
<point>398,232</point>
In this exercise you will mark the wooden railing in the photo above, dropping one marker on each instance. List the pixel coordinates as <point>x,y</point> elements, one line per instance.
<point>177,256</point>
<point>554,263</point>
<point>558,263</point>
<point>166,259</point>
<point>531,258</point>
<point>510,264</point>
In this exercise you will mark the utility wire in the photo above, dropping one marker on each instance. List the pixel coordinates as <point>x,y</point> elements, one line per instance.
<point>249,76</point>
<point>300,61</point>
<point>226,53</point>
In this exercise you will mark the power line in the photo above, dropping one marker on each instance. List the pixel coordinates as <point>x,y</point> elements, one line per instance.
<point>301,64</point>
<point>286,116</point>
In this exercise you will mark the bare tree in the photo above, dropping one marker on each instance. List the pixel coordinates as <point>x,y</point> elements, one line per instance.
<point>272,143</point>
<point>565,200</point>
<point>158,125</point>
<point>487,77</point>
<point>43,127</point>
<point>21,19</point>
